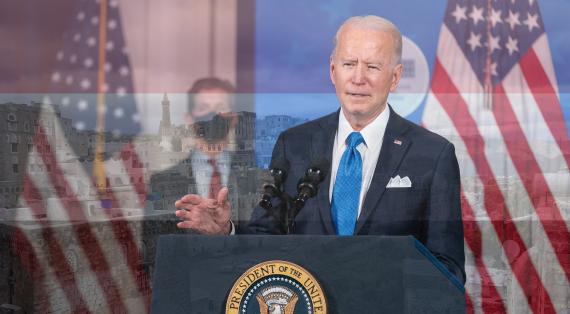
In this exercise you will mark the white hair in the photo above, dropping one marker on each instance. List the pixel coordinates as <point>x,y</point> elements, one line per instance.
<point>376,23</point>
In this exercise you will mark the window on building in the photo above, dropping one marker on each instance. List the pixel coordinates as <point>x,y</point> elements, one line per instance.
<point>12,126</point>
<point>12,117</point>
<point>15,168</point>
<point>30,147</point>
<point>14,147</point>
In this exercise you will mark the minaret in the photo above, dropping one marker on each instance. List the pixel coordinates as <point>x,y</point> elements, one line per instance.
<point>165,129</point>
<point>165,125</point>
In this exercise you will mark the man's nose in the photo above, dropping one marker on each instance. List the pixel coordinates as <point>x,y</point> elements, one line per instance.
<point>359,76</point>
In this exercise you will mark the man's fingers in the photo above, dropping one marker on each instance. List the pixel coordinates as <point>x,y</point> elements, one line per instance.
<point>191,215</point>
<point>223,196</point>
<point>200,213</point>
<point>182,214</point>
<point>188,206</point>
<point>187,224</point>
<point>192,199</point>
<point>180,204</point>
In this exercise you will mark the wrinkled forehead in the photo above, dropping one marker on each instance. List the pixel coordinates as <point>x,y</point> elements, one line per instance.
<point>366,34</point>
<point>365,42</point>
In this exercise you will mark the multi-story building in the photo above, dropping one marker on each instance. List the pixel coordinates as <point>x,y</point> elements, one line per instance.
<point>18,127</point>
<point>266,133</point>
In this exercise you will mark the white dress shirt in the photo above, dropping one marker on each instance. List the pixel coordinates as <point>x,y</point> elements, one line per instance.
<point>373,135</point>
<point>203,171</point>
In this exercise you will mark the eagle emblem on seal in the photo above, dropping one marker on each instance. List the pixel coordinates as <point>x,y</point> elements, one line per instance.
<point>277,300</point>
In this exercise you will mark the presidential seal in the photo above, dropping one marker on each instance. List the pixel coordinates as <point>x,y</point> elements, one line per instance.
<point>276,287</point>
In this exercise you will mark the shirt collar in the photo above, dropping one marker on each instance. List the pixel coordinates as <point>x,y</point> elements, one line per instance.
<point>372,133</point>
<point>221,158</point>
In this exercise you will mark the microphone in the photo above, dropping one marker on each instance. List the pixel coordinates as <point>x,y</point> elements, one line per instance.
<point>308,186</point>
<point>278,171</point>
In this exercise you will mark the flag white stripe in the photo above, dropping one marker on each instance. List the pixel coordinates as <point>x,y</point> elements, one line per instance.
<point>119,270</point>
<point>541,48</point>
<point>111,247</point>
<point>69,245</point>
<point>541,141</point>
<point>473,280</point>
<point>439,121</point>
<point>125,193</point>
<point>532,121</point>
<point>56,294</point>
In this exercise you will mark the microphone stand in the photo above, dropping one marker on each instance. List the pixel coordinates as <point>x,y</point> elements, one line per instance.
<point>283,212</point>
<point>289,207</point>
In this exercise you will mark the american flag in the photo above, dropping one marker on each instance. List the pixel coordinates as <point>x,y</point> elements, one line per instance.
<point>96,266</point>
<point>74,80</point>
<point>494,95</point>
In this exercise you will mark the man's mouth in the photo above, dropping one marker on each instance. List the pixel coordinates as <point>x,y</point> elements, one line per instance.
<point>357,94</point>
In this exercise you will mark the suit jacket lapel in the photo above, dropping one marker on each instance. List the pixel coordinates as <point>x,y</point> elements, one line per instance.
<point>322,146</point>
<point>394,148</point>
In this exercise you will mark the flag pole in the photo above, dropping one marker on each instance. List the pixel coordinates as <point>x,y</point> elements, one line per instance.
<point>98,168</point>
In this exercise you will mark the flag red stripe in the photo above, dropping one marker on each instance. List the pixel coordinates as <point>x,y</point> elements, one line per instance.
<point>548,103</point>
<point>81,226</point>
<point>23,249</point>
<point>140,188</point>
<point>469,303</point>
<point>63,271</point>
<point>135,172</point>
<point>490,297</point>
<point>532,178</point>
<point>124,235</point>
<point>495,205</point>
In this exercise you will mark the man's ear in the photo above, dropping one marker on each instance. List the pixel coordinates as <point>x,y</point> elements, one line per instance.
<point>396,75</point>
<point>331,69</point>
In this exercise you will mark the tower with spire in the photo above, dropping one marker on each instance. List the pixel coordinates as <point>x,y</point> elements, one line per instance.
<point>165,128</point>
<point>165,124</point>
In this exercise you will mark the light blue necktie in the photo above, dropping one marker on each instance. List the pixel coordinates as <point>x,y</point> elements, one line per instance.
<point>348,182</point>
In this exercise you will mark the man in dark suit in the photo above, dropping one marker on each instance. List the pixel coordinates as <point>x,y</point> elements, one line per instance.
<point>210,124</point>
<point>388,176</point>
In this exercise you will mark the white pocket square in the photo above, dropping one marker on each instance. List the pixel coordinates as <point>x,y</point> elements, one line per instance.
<point>397,182</point>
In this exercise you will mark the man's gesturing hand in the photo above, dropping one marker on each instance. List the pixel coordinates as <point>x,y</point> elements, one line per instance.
<point>207,216</point>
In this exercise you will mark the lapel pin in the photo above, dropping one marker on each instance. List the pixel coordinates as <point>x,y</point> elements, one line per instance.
<point>398,142</point>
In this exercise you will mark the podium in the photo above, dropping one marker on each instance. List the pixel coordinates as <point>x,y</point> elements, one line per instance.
<point>362,274</point>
